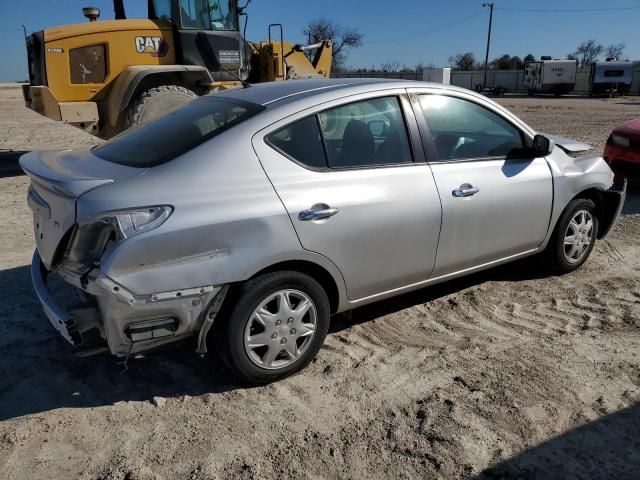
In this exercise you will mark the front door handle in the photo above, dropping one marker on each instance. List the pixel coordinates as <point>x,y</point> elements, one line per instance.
<point>319,211</point>
<point>465,190</point>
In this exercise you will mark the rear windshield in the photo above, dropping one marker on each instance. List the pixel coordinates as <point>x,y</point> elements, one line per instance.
<point>178,132</point>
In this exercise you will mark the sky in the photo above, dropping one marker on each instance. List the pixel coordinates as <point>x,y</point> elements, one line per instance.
<point>409,32</point>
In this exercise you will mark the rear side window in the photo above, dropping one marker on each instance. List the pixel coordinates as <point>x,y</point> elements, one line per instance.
<point>357,135</point>
<point>170,136</point>
<point>301,141</point>
<point>367,133</point>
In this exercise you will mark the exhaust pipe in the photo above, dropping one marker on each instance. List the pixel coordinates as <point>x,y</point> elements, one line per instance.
<point>118,10</point>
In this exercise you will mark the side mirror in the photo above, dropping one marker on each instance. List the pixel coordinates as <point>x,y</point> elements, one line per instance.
<point>542,146</point>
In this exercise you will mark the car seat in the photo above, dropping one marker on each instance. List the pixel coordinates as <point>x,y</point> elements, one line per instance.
<point>358,146</point>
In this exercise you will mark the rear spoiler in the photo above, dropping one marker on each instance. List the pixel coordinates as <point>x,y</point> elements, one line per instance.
<point>571,147</point>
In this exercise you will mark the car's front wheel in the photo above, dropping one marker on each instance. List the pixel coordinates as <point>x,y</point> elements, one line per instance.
<point>574,237</point>
<point>275,328</point>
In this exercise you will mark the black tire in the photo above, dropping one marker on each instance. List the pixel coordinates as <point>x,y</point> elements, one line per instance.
<point>156,102</point>
<point>555,252</point>
<point>230,329</point>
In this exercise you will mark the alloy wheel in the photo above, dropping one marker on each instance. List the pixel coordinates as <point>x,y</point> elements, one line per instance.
<point>578,236</point>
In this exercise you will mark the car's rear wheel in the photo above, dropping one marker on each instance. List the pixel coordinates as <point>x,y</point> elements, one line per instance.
<point>574,236</point>
<point>275,328</point>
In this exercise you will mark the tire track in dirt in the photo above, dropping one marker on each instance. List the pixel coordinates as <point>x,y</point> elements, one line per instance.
<point>487,312</point>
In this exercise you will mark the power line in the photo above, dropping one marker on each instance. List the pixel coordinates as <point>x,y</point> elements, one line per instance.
<point>427,32</point>
<point>508,9</point>
<point>566,10</point>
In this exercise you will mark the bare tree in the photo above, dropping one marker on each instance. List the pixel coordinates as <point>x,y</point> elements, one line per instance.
<point>507,62</point>
<point>463,61</point>
<point>587,52</point>
<point>342,38</point>
<point>390,66</point>
<point>501,63</point>
<point>516,63</point>
<point>615,50</point>
<point>421,66</point>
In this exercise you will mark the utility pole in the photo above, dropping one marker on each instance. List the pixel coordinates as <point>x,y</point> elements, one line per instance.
<point>486,57</point>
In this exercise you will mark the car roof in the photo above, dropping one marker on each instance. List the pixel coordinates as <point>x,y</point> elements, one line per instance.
<point>282,99</point>
<point>278,92</point>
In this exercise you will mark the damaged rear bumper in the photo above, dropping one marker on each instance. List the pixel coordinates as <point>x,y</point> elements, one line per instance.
<point>128,322</point>
<point>61,320</point>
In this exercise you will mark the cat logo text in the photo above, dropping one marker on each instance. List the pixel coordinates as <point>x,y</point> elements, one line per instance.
<point>155,46</point>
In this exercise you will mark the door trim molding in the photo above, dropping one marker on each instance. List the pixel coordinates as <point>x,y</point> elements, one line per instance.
<point>442,278</point>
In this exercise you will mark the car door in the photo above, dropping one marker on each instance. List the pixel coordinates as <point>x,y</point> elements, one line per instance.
<point>496,199</point>
<point>353,179</point>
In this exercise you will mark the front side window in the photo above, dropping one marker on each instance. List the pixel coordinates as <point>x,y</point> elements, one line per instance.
<point>462,129</point>
<point>209,14</point>
<point>170,136</point>
<point>367,133</point>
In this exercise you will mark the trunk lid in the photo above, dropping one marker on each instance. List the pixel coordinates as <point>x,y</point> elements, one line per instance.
<point>58,179</point>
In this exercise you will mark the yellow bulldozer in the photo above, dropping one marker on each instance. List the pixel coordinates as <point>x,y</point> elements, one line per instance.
<point>107,76</point>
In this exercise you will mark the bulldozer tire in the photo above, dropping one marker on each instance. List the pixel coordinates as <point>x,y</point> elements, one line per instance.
<point>155,102</point>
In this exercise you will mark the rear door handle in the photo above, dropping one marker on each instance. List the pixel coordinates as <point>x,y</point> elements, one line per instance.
<point>465,190</point>
<point>319,211</point>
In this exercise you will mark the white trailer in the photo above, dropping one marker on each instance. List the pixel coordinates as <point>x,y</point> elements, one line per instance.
<point>611,77</point>
<point>550,76</point>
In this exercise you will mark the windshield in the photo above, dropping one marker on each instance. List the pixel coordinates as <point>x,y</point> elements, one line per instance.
<point>176,133</point>
<point>209,14</point>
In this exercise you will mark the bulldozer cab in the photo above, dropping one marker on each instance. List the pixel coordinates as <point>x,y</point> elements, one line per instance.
<point>207,33</point>
<point>200,14</point>
<point>219,15</point>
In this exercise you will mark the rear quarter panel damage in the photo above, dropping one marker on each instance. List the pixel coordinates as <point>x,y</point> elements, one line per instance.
<point>227,225</point>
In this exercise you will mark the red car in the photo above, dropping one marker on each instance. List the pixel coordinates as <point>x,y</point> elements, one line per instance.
<point>622,151</point>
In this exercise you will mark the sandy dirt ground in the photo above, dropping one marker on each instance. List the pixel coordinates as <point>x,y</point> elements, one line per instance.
<point>510,373</point>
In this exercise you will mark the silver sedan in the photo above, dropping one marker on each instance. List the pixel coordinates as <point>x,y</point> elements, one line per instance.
<point>247,218</point>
